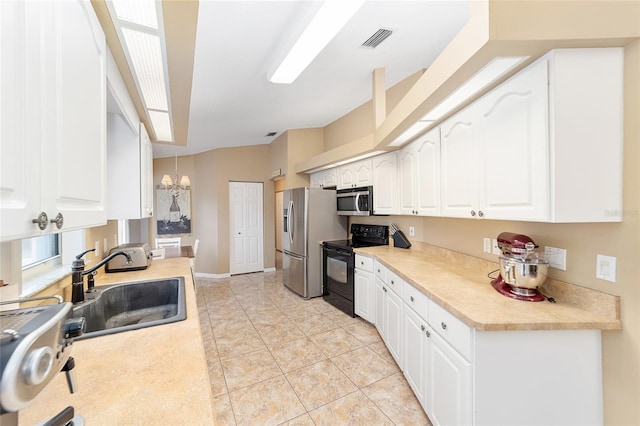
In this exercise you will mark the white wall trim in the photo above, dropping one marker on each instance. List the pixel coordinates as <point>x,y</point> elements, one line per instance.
<point>205,275</point>
<point>269,269</point>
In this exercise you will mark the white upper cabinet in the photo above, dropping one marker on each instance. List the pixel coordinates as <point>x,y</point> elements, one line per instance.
<point>54,163</point>
<point>355,175</point>
<point>130,159</point>
<point>324,179</point>
<point>534,149</point>
<point>420,176</point>
<point>385,183</point>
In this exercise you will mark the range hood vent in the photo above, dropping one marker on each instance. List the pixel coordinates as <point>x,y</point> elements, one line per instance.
<point>377,38</point>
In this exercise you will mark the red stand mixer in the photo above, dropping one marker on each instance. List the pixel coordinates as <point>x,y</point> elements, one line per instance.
<point>522,270</point>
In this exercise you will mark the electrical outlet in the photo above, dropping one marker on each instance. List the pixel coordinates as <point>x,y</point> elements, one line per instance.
<point>487,245</point>
<point>557,257</point>
<point>412,231</point>
<point>495,248</point>
<point>97,247</point>
<point>606,268</point>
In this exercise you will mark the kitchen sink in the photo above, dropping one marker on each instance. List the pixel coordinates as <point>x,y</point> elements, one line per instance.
<point>133,305</point>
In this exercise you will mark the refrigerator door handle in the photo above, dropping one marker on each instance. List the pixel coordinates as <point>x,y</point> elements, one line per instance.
<point>291,220</point>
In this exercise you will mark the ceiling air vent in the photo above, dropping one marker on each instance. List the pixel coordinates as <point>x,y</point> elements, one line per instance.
<point>271,134</point>
<point>377,38</point>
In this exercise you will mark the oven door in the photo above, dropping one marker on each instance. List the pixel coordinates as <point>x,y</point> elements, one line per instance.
<point>338,267</point>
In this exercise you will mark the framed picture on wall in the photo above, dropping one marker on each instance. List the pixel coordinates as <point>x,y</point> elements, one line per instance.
<point>173,212</point>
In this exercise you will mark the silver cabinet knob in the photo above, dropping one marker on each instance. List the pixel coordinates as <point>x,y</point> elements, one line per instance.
<point>443,325</point>
<point>385,289</point>
<point>42,221</point>
<point>473,213</point>
<point>427,333</point>
<point>412,299</point>
<point>59,220</point>
<point>422,327</point>
<point>480,214</point>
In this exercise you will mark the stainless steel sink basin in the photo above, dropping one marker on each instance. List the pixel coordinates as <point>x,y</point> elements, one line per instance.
<point>130,306</point>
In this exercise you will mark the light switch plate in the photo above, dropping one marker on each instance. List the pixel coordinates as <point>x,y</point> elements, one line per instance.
<point>495,248</point>
<point>487,245</point>
<point>606,268</point>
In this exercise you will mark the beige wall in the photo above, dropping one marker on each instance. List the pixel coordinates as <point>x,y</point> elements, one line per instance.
<point>210,202</point>
<point>621,349</point>
<point>359,123</point>
<point>302,144</point>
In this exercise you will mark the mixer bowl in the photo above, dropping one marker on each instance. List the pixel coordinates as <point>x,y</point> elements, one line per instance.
<point>523,273</point>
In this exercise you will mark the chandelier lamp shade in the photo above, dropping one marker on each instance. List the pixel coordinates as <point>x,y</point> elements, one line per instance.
<point>172,186</point>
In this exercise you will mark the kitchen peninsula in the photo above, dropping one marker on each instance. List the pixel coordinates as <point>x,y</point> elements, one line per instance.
<point>154,375</point>
<point>474,356</point>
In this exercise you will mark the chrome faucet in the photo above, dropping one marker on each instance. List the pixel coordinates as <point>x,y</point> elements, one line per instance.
<point>78,273</point>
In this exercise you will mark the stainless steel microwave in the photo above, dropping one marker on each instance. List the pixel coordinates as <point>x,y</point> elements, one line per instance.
<point>355,201</point>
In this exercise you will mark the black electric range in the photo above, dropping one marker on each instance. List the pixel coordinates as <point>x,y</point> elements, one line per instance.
<point>339,263</point>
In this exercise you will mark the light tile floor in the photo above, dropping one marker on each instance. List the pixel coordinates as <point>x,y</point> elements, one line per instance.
<point>275,358</point>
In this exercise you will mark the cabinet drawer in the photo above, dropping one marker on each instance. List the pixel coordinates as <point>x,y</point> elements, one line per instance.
<point>452,330</point>
<point>394,282</point>
<point>365,263</point>
<point>417,300</point>
<point>380,271</point>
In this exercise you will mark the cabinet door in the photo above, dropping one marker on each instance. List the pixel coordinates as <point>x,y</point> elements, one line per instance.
<point>407,175</point>
<point>427,174</point>
<point>385,183</point>
<point>514,179</point>
<point>459,165</point>
<point>415,353</point>
<point>449,384</point>
<point>146,173</point>
<point>315,180</point>
<point>365,294</point>
<point>346,176</point>
<point>380,307</point>
<point>20,142</point>
<point>76,116</point>
<point>363,173</point>
<point>330,178</point>
<point>393,324</point>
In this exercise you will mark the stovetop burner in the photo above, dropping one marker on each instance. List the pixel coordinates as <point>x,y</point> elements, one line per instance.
<point>363,236</point>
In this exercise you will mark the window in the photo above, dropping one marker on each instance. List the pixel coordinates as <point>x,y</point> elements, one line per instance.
<point>38,250</point>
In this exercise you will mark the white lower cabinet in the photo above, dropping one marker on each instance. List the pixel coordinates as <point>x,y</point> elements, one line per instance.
<point>464,376</point>
<point>365,289</point>
<point>449,384</point>
<point>414,352</point>
<point>389,311</point>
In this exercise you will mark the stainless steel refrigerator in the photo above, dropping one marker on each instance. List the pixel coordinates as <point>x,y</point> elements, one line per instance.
<point>310,217</point>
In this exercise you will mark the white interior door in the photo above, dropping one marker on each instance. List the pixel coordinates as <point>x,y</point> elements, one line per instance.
<point>246,225</point>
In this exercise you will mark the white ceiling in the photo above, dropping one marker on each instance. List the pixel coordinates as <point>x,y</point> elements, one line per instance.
<point>239,42</point>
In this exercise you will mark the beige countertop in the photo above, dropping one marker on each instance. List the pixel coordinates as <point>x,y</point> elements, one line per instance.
<point>152,376</point>
<point>459,283</point>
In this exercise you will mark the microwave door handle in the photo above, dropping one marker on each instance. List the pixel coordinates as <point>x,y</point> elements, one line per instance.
<point>357,202</point>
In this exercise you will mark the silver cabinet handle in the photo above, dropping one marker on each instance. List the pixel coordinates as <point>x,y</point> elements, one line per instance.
<point>59,220</point>
<point>392,283</point>
<point>412,299</point>
<point>362,263</point>
<point>42,221</point>
<point>443,325</point>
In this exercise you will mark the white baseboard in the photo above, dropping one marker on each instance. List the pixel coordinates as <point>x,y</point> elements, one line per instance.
<point>204,275</point>
<point>269,269</point>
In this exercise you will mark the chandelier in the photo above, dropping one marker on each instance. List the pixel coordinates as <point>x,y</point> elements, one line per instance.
<point>175,188</point>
